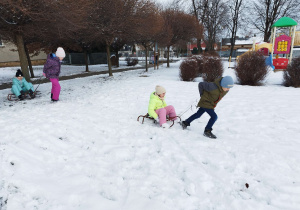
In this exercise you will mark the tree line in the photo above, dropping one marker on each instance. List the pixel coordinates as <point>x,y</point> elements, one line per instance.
<point>84,26</point>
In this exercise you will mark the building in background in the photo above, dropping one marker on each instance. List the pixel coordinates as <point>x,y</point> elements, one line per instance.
<point>9,56</point>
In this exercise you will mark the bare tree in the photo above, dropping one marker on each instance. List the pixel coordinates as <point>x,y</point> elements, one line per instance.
<point>235,10</point>
<point>147,25</point>
<point>200,20</point>
<point>24,22</point>
<point>15,19</point>
<point>180,26</point>
<point>111,20</point>
<point>213,15</point>
<point>266,12</point>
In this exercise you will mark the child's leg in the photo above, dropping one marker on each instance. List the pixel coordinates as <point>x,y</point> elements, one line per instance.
<point>55,88</point>
<point>171,112</point>
<point>162,114</point>
<point>28,86</point>
<point>198,114</point>
<point>16,90</point>
<point>212,120</point>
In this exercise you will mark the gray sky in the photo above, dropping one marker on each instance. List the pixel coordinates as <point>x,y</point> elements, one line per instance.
<point>164,2</point>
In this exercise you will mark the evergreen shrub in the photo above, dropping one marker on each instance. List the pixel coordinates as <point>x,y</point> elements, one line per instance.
<point>291,77</point>
<point>211,68</point>
<point>251,69</point>
<point>188,70</point>
<point>199,66</point>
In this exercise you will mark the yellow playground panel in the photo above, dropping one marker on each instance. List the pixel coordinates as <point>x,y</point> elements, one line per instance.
<point>256,48</point>
<point>263,45</point>
<point>297,38</point>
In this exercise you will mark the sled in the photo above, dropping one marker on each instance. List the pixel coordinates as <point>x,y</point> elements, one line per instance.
<point>12,97</point>
<point>151,118</point>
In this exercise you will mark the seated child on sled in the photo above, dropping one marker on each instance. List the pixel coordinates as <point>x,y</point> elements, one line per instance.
<point>158,108</point>
<point>21,86</point>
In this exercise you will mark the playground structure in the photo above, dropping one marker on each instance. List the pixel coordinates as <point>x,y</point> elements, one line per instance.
<point>281,44</point>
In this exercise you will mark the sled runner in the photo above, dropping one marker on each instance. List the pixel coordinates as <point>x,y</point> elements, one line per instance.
<point>12,97</point>
<point>151,118</point>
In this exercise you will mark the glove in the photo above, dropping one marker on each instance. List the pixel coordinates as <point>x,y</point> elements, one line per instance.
<point>156,120</point>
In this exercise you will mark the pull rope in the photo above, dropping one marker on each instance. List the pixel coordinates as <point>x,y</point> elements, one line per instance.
<point>190,107</point>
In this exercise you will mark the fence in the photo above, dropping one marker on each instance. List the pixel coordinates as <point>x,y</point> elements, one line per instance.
<point>78,58</point>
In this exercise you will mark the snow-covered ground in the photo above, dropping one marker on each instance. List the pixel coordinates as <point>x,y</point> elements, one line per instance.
<point>88,152</point>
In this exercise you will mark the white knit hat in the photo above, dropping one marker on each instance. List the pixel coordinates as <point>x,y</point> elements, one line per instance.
<point>159,89</point>
<point>60,52</point>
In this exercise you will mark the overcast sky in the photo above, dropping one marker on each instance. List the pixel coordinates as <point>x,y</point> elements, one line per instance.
<point>164,2</point>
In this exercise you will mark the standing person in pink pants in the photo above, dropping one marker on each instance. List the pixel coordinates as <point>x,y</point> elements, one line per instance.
<point>52,70</point>
<point>158,108</point>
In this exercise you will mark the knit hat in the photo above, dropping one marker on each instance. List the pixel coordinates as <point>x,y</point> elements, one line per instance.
<point>159,89</point>
<point>60,52</point>
<point>227,82</point>
<point>19,73</point>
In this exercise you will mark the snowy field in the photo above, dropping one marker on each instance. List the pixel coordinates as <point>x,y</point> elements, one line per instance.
<point>88,152</point>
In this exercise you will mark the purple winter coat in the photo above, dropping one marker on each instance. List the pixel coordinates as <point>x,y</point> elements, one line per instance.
<point>52,67</point>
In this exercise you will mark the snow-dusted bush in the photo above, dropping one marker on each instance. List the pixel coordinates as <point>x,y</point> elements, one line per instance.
<point>291,76</point>
<point>251,69</point>
<point>131,61</point>
<point>212,68</point>
<point>206,66</point>
<point>188,69</point>
<point>199,60</point>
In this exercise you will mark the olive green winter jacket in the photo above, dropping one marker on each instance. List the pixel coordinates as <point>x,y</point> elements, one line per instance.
<point>154,104</point>
<point>211,93</point>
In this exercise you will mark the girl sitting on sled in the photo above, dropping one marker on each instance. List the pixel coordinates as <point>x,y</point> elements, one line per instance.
<point>21,86</point>
<point>158,108</point>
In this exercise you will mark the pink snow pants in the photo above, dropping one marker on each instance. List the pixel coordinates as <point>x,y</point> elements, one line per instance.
<point>55,88</point>
<point>163,112</point>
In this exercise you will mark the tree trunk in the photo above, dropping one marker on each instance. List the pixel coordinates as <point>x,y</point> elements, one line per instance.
<point>29,61</point>
<point>232,46</point>
<point>146,48</point>
<point>86,60</point>
<point>197,19</point>
<point>117,57</point>
<point>108,59</point>
<point>22,56</point>
<point>168,57</point>
<point>199,46</point>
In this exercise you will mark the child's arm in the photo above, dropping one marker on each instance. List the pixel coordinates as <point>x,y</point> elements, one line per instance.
<point>151,108</point>
<point>15,81</point>
<point>47,65</point>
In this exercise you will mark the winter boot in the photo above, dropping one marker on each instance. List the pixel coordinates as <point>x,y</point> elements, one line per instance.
<point>22,93</point>
<point>209,134</point>
<point>31,93</point>
<point>184,124</point>
<point>51,95</point>
<point>21,97</point>
<point>53,100</point>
